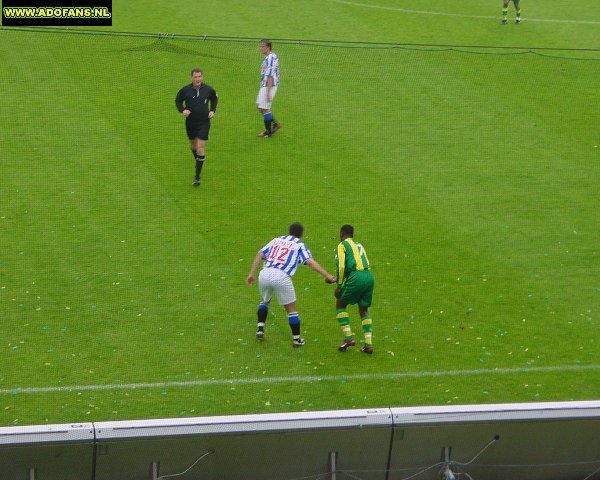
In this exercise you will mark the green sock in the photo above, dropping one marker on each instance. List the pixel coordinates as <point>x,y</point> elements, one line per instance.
<point>367,325</point>
<point>344,321</point>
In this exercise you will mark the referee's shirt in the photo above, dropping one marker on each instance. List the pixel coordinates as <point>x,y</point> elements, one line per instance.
<point>197,101</point>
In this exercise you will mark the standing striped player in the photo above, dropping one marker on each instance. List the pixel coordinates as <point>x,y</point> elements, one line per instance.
<point>281,257</point>
<point>355,286</point>
<point>269,81</point>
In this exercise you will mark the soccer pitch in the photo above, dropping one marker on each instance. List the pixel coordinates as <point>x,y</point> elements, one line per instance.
<point>470,173</point>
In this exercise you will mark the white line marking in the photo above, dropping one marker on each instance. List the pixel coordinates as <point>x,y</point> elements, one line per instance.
<point>309,379</point>
<point>427,12</point>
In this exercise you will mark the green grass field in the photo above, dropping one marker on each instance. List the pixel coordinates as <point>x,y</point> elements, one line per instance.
<point>471,175</point>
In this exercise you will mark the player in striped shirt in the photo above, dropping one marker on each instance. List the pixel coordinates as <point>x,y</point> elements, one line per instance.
<point>355,286</point>
<point>269,81</point>
<point>281,257</point>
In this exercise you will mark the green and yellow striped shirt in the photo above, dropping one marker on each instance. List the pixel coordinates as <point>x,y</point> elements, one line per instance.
<point>351,256</point>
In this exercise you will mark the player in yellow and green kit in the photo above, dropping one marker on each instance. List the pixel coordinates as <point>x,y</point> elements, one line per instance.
<point>517,5</point>
<point>355,286</point>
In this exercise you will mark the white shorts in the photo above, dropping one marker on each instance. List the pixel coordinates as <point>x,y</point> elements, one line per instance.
<point>273,280</point>
<point>261,98</point>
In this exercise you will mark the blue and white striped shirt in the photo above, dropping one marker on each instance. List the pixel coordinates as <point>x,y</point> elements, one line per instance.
<point>285,253</point>
<point>269,68</point>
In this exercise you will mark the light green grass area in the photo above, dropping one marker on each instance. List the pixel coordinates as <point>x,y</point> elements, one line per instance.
<point>470,175</point>
<point>561,23</point>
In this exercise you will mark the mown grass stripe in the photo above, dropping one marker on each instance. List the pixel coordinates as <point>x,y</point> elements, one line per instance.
<point>450,14</point>
<point>299,379</point>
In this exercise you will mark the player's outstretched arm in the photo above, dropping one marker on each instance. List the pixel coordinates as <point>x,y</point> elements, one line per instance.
<point>250,279</point>
<point>314,265</point>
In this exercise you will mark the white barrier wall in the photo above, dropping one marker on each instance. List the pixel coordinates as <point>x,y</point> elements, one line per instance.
<point>473,442</point>
<point>53,452</point>
<point>541,441</point>
<point>277,446</point>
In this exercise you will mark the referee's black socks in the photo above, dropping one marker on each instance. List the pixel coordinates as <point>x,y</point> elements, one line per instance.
<point>199,164</point>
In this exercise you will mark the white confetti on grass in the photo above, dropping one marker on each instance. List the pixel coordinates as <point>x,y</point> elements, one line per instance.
<point>300,379</point>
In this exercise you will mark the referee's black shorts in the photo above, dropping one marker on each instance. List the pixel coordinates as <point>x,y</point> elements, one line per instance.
<point>197,129</point>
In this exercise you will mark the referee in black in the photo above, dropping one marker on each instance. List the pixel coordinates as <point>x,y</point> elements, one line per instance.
<point>197,102</point>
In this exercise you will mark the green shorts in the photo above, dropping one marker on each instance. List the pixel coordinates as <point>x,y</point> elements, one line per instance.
<point>358,288</point>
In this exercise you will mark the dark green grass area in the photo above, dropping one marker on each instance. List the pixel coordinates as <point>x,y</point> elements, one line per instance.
<point>470,174</point>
